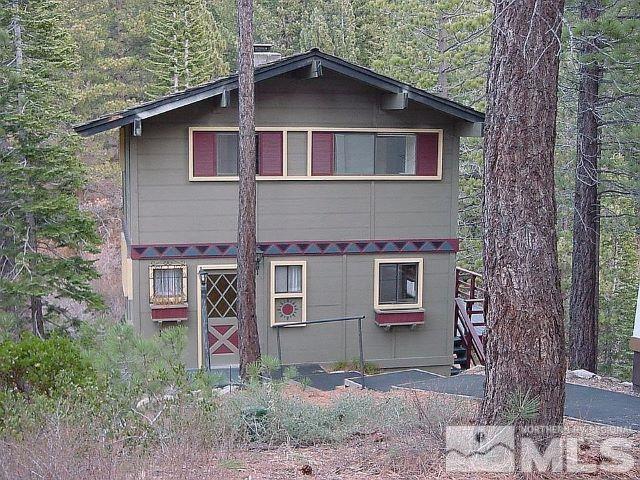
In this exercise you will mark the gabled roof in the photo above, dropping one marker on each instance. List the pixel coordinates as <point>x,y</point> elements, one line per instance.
<point>270,70</point>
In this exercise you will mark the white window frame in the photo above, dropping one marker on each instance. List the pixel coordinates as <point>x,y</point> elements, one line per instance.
<point>309,177</point>
<point>274,296</point>
<point>182,300</point>
<point>376,284</point>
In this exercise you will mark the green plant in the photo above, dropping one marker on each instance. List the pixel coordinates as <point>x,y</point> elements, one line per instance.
<point>263,369</point>
<point>33,366</point>
<point>370,368</point>
<point>9,327</point>
<point>520,406</point>
<point>263,414</point>
<point>140,366</point>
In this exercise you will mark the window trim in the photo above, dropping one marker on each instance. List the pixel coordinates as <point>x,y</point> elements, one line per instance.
<point>273,296</point>
<point>376,284</point>
<point>308,176</point>
<point>167,266</point>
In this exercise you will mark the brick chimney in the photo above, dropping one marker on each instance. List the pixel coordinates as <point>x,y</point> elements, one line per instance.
<point>262,54</point>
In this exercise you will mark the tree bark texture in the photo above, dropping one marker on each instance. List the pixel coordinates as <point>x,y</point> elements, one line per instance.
<point>583,304</point>
<point>246,304</point>
<point>31,245</point>
<point>525,352</point>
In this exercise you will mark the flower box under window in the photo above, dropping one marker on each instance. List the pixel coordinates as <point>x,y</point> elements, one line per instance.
<point>395,318</point>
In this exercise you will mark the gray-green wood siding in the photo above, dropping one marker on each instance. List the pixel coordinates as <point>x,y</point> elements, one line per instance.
<point>164,207</point>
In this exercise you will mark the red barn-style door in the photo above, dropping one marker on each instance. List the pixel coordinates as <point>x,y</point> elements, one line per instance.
<point>222,325</point>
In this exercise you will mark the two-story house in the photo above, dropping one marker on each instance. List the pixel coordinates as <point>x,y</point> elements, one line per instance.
<point>357,190</point>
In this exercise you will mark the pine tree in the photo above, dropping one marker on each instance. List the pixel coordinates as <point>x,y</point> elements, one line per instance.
<point>583,306</point>
<point>112,39</point>
<point>44,231</point>
<point>280,23</point>
<point>442,46</point>
<point>249,348</point>
<point>525,348</point>
<point>186,46</point>
<point>331,28</point>
<point>605,36</point>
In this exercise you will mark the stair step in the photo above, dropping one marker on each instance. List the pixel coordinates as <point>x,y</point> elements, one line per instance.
<point>460,352</point>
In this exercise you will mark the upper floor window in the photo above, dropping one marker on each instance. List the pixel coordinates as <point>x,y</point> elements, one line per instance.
<point>308,153</point>
<point>215,153</point>
<point>398,283</point>
<point>374,154</point>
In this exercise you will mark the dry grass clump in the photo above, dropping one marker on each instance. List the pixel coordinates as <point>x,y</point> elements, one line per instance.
<point>265,431</point>
<point>330,435</point>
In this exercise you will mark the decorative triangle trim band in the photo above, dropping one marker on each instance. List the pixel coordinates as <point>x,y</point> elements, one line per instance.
<point>279,249</point>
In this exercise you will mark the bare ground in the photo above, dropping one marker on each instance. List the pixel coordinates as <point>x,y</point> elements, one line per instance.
<point>372,454</point>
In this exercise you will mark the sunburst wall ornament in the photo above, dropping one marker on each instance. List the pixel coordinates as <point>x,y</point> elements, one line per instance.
<point>288,310</point>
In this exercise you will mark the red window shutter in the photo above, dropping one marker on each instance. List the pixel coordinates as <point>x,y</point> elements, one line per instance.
<point>427,154</point>
<point>322,153</point>
<point>204,154</point>
<point>270,153</point>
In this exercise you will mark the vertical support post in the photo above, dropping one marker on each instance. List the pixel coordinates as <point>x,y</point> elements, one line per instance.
<point>472,286</point>
<point>205,321</point>
<point>279,351</point>
<point>361,350</point>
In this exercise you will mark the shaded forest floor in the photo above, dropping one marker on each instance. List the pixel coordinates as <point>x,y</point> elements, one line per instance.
<point>370,453</point>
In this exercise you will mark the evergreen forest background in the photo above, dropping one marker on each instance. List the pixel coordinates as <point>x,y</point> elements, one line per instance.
<point>79,60</point>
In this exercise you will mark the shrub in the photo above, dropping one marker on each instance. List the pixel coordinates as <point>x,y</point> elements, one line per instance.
<point>49,367</point>
<point>265,415</point>
<point>353,365</point>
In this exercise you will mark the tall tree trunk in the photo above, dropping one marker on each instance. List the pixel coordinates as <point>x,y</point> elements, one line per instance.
<point>583,305</point>
<point>247,324</point>
<point>525,341</point>
<point>37,319</point>
<point>35,305</point>
<point>443,84</point>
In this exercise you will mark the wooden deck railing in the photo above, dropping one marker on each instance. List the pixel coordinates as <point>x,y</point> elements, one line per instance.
<point>469,305</point>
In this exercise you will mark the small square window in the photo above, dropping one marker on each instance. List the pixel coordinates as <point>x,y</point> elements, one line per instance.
<point>399,284</point>
<point>168,284</point>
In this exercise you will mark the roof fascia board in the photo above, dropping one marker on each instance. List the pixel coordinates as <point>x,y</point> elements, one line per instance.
<point>272,70</point>
<point>395,86</point>
<point>166,105</point>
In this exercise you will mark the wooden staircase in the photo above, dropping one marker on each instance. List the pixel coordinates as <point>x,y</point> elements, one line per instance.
<point>468,320</point>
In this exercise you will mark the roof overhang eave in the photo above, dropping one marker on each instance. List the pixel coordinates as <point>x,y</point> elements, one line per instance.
<point>267,71</point>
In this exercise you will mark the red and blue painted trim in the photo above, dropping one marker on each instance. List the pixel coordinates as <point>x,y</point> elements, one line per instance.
<point>280,249</point>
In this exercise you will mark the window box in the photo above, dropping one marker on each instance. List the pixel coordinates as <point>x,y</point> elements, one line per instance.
<point>395,318</point>
<point>170,313</point>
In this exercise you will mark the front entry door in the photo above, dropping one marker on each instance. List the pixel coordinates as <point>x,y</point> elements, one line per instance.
<point>222,318</point>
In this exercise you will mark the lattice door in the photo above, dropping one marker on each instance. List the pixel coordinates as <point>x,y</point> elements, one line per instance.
<point>222,332</point>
